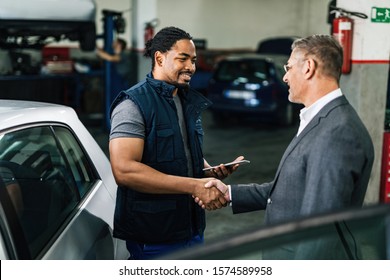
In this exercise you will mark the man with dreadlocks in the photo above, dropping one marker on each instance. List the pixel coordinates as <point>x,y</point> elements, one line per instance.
<point>156,153</point>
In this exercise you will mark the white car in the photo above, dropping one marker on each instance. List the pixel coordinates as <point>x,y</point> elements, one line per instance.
<point>35,23</point>
<point>57,191</point>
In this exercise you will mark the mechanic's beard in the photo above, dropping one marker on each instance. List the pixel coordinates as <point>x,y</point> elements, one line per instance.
<point>182,86</point>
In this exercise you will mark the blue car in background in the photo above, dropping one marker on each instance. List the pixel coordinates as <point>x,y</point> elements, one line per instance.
<point>250,86</point>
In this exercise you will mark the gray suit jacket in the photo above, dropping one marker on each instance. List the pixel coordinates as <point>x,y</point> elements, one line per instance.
<point>326,168</point>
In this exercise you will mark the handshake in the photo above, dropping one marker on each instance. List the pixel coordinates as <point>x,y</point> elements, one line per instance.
<point>212,194</point>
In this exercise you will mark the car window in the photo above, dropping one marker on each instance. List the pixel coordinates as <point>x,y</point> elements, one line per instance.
<point>243,71</point>
<point>46,174</point>
<point>83,174</point>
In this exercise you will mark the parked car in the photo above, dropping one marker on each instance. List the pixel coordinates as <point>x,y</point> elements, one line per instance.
<point>57,192</point>
<point>276,45</point>
<point>35,23</point>
<point>251,86</point>
<point>361,234</point>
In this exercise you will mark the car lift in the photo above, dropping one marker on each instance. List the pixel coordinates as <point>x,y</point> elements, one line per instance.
<point>112,21</point>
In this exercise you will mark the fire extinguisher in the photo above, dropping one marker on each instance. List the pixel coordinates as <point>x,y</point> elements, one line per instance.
<point>342,32</point>
<point>149,29</point>
<point>342,29</point>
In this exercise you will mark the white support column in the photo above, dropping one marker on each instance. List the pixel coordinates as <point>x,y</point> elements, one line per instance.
<point>143,11</point>
<point>366,86</point>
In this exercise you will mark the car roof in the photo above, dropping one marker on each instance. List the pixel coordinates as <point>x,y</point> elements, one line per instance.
<point>250,56</point>
<point>20,112</point>
<point>276,45</point>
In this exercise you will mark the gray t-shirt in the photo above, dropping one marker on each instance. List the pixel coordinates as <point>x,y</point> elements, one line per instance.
<point>127,121</point>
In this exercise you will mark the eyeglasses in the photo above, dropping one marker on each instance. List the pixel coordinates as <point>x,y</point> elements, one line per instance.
<point>287,67</point>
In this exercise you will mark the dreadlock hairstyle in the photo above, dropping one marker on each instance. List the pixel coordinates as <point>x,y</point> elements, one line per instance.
<point>164,40</point>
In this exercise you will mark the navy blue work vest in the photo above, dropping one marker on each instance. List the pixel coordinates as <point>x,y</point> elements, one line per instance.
<point>156,218</point>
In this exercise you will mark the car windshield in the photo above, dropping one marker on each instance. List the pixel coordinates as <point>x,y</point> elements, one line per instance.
<point>243,71</point>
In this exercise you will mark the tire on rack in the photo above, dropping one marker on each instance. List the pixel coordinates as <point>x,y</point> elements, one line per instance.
<point>87,38</point>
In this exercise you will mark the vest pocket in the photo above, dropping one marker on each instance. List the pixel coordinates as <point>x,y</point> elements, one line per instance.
<point>165,145</point>
<point>158,221</point>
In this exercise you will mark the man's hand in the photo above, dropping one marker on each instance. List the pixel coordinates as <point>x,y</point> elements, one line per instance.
<point>216,185</point>
<point>210,198</point>
<point>222,171</point>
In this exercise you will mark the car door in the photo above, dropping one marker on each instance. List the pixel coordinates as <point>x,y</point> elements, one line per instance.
<point>49,215</point>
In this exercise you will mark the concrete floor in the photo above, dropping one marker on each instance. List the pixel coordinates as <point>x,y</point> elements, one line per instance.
<point>262,144</point>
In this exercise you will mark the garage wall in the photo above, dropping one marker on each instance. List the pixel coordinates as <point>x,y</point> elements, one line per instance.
<point>226,23</point>
<point>241,24</point>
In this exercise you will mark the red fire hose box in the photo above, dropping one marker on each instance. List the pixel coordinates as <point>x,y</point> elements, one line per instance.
<point>385,176</point>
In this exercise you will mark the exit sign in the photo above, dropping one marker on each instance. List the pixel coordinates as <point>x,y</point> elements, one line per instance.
<point>380,14</point>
